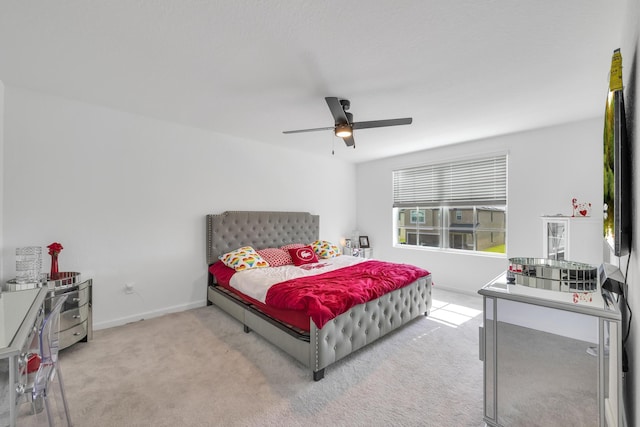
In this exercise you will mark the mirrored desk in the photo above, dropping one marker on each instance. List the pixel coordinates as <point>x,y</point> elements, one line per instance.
<point>21,313</point>
<point>550,357</point>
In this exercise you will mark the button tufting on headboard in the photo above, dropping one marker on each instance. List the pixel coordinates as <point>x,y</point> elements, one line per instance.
<point>233,229</point>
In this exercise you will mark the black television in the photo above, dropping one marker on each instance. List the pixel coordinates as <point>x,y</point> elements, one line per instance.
<point>617,166</point>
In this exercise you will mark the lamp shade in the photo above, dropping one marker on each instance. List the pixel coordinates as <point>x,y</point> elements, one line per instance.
<point>343,130</point>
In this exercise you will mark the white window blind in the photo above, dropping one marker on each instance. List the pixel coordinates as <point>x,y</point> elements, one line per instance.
<point>468,182</point>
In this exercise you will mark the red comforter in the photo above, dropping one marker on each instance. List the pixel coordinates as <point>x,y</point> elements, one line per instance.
<point>330,294</point>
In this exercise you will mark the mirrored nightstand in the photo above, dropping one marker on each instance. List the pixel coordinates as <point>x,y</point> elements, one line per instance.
<point>359,252</point>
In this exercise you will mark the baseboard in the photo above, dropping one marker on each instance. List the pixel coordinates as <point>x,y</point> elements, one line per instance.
<point>148,315</point>
<point>456,290</point>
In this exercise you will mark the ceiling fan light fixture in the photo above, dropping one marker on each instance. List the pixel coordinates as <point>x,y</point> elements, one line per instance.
<point>343,121</point>
<point>343,131</point>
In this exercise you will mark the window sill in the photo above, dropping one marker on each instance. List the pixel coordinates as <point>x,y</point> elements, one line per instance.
<point>450,251</point>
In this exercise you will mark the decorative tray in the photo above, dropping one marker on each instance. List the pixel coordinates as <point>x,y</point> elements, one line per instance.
<point>555,275</point>
<point>64,278</point>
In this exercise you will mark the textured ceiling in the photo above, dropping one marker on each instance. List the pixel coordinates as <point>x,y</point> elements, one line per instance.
<point>463,69</point>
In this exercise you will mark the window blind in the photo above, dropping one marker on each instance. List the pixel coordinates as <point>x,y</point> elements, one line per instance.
<point>468,182</point>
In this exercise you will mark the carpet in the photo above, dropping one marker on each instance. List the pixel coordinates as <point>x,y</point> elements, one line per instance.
<point>198,368</point>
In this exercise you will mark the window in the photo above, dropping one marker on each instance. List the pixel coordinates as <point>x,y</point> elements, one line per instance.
<point>456,205</point>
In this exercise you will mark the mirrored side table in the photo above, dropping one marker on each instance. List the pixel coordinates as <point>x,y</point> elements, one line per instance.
<point>76,317</point>
<point>561,351</point>
<point>358,252</point>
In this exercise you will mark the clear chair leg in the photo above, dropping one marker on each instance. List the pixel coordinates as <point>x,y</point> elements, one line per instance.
<point>45,398</point>
<point>64,398</point>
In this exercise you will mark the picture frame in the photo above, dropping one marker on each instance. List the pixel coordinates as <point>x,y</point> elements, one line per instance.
<point>417,216</point>
<point>364,241</point>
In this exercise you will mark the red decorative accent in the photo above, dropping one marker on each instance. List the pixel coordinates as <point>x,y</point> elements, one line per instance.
<point>54,250</point>
<point>33,363</point>
<point>275,257</point>
<point>303,255</point>
<point>580,209</point>
<point>582,297</point>
<point>54,267</point>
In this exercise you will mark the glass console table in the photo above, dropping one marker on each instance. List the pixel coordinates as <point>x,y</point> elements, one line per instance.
<point>550,357</point>
<point>21,313</point>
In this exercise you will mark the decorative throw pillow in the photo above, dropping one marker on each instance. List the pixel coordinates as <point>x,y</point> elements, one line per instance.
<point>325,249</point>
<point>244,258</point>
<point>276,257</point>
<point>303,255</point>
<point>292,246</point>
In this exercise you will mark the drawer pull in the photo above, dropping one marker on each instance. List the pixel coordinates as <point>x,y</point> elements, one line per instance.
<point>76,300</point>
<point>77,333</point>
<point>76,316</point>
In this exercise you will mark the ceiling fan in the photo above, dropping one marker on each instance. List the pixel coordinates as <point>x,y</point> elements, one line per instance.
<point>344,124</point>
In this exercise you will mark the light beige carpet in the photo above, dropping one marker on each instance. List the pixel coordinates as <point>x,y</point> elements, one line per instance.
<point>198,368</point>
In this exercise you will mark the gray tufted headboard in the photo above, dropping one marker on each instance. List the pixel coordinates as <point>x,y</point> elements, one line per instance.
<point>232,229</point>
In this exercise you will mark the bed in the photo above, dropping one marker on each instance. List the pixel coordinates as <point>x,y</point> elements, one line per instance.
<point>315,347</point>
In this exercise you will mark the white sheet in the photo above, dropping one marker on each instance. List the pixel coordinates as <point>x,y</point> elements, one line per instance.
<point>256,282</point>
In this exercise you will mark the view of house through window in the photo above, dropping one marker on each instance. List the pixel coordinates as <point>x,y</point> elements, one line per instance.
<point>457,205</point>
<point>475,228</point>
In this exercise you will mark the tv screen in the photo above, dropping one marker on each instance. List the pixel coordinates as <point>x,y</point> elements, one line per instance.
<point>616,176</point>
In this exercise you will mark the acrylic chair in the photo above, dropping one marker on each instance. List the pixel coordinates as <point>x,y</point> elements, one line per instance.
<point>49,345</point>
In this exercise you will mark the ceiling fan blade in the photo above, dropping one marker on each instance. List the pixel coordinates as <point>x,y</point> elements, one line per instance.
<point>309,130</point>
<point>336,110</point>
<point>349,141</point>
<point>381,123</point>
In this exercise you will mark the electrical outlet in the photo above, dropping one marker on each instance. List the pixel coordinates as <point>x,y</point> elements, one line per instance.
<point>128,288</point>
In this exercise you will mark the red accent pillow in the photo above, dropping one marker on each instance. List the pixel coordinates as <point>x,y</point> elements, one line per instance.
<point>303,255</point>
<point>275,257</point>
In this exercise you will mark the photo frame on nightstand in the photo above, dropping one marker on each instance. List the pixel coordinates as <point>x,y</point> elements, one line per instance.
<point>364,241</point>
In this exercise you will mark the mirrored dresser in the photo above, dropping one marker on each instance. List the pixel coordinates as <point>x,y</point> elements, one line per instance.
<point>76,318</point>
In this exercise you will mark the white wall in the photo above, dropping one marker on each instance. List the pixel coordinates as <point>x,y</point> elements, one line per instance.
<point>546,169</point>
<point>127,197</point>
